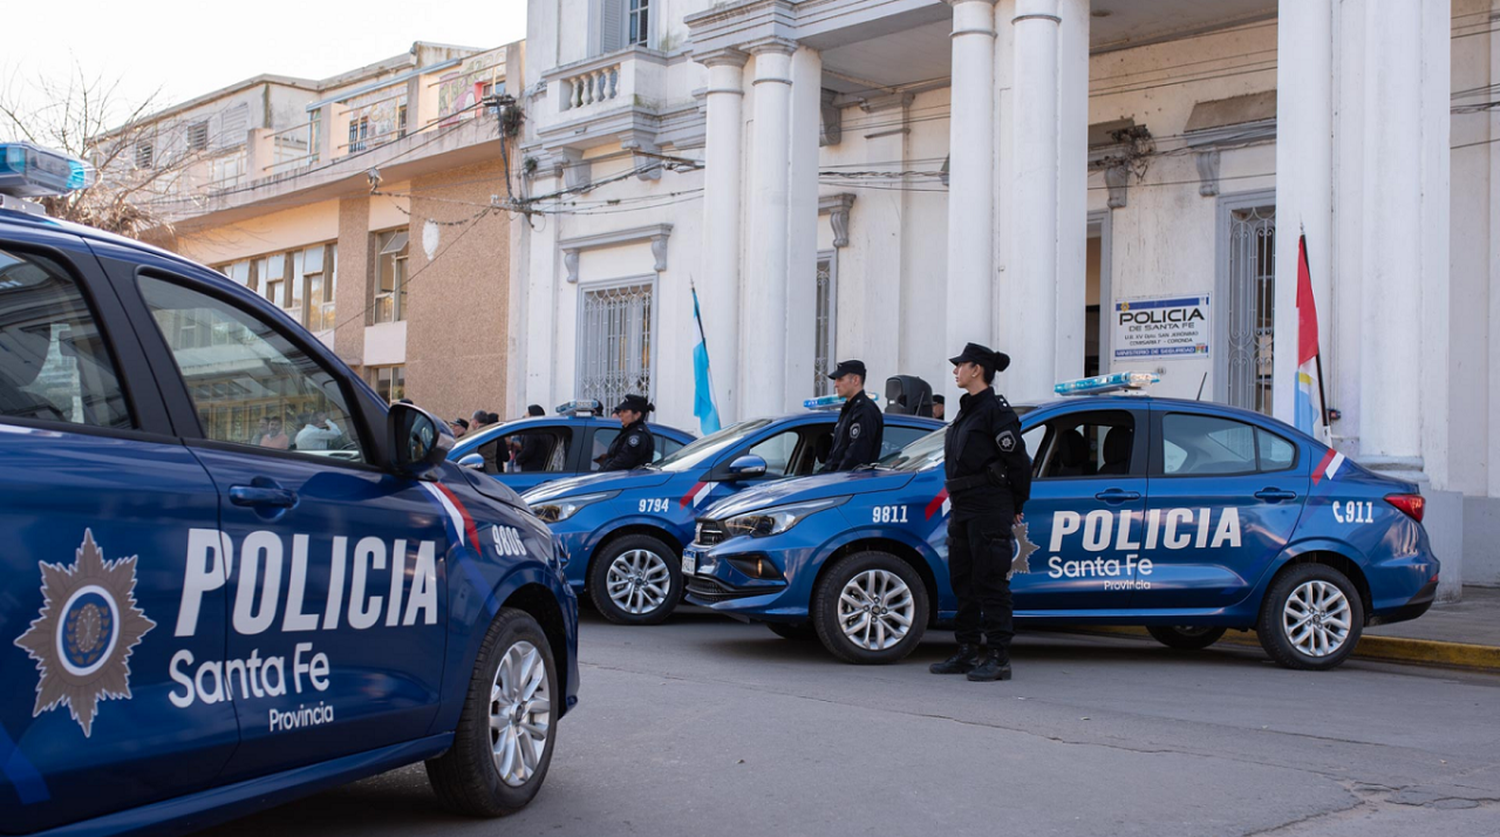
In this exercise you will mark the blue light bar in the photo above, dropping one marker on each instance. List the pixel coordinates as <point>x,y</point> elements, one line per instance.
<point>589,407</point>
<point>30,171</point>
<point>829,402</point>
<point>1106,383</point>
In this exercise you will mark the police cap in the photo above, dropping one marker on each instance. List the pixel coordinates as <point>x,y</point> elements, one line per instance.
<point>982,355</point>
<point>846,367</point>
<point>635,404</point>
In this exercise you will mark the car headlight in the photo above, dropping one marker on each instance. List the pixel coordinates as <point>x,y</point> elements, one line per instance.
<point>778,519</point>
<point>554,511</point>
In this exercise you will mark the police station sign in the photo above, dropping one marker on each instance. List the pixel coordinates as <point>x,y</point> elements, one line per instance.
<point>1170,327</point>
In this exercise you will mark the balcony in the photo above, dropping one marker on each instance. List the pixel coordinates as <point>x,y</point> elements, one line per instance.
<point>593,102</point>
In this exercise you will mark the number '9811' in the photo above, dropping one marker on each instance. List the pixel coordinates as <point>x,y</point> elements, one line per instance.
<point>888,514</point>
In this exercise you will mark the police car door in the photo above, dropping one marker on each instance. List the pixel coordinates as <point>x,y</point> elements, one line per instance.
<point>96,501</point>
<point>1225,497</point>
<point>337,623</point>
<point>1079,549</point>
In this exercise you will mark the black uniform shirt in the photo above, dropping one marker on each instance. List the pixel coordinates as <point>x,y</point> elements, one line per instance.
<point>533,454</point>
<point>633,448</point>
<point>857,436</point>
<point>985,458</point>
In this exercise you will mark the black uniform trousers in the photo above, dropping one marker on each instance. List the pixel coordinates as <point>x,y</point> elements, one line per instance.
<point>979,559</point>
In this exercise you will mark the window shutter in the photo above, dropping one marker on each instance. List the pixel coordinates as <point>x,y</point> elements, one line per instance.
<point>611,25</point>
<point>233,124</point>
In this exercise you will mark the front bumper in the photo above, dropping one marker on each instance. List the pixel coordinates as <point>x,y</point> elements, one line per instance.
<point>720,580</point>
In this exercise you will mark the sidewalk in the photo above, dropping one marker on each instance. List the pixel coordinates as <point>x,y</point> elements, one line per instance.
<point>1464,634</point>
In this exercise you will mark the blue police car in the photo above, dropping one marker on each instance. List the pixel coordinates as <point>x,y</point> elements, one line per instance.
<point>624,532</point>
<point>1184,517</point>
<point>569,443</point>
<point>200,617</point>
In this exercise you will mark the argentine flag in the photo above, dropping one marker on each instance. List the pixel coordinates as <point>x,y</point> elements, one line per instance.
<point>1308,404</point>
<point>703,384</point>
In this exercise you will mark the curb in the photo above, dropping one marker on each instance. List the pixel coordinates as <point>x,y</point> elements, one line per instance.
<point>1388,649</point>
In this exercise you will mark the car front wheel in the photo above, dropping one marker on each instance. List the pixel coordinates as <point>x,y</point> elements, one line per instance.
<point>636,580</point>
<point>1185,637</point>
<point>505,736</point>
<point>1312,618</point>
<point>871,608</point>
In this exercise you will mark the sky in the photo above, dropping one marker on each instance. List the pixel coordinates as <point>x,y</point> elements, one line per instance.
<point>185,49</point>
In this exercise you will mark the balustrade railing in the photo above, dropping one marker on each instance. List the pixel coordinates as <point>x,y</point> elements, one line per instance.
<point>591,87</point>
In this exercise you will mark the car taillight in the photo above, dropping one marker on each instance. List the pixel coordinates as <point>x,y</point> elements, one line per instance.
<point>1412,504</point>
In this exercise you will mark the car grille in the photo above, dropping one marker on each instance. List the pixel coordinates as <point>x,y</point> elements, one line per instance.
<point>710,532</point>
<point>708,590</point>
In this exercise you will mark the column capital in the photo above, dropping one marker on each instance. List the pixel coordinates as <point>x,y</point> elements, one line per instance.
<point>770,45</point>
<point>722,58</point>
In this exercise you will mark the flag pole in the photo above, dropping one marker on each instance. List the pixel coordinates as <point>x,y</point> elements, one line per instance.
<point>1318,358</point>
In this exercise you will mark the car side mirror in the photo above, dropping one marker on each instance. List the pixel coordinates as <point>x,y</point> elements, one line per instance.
<point>746,467</point>
<point>420,442</point>
<point>472,460</point>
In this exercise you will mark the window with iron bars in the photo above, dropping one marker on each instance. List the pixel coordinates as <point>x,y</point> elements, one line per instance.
<point>1251,310</point>
<point>614,342</point>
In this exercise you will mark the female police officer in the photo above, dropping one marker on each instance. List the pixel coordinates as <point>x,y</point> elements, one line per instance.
<point>635,445</point>
<point>988,481</point>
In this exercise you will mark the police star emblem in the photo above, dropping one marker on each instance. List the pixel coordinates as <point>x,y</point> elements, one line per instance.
<point>1021,549</point>
<point>82,638</point>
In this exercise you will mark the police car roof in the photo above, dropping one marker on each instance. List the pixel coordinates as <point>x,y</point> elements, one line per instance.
<point>83,231</point>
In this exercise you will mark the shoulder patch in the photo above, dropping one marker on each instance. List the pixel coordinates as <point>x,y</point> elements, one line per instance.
<point>635,440</point>
<point>1006,440</point>
<point>854,431</point>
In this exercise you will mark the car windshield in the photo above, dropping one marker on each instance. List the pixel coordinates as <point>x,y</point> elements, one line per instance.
<point>926,452</point>
<point>699,451</point>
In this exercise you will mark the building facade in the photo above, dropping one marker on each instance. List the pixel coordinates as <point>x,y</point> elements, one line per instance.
<point>369,206</point>
<point>1090,185</point>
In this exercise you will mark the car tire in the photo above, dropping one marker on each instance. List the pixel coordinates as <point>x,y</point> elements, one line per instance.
<point>796,631</point>
<point>1311,619</point>
<point>625,580</point>
<point>1185,637</point>
<point>494,769</point>
<point>865,585</point>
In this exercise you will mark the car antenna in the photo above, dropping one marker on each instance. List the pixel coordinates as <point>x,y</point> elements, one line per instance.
<point>1200,387</point>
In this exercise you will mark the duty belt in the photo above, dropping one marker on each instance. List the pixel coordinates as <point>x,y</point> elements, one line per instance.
<point>958,484</point>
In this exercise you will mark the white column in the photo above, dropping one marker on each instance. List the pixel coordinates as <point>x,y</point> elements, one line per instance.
<point>1304,180</point>
<point>971,149</point>
<point>764,371</point>
<point>1493,344</point>
<point>1390,327</point>
<point>802,223</point>
<point>719,286</point>
<point>1073,190</point>
<point>543,277</point>
<point>1033,263</point>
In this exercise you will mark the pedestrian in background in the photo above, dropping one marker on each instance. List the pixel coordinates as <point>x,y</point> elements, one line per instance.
<point>460,426</point>
<point>988,481</point>
<point>275,436</point>
<point>490,451</point>
<point>860,429</point>
<point>532,455</point>
<point>635,445</point>
<point>939,407</point>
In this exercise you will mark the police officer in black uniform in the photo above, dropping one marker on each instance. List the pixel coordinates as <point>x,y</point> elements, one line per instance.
<point>635,445</point>
<point>988,481</point>
<point>860,429</point>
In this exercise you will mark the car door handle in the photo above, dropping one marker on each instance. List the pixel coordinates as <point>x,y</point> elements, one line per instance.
<point>256,495</point>
<point>1117,495</point>
<point>1274,495</point>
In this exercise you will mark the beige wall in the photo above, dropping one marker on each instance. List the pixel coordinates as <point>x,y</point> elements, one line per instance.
<point>459,307</point>
<point>354,269</point>
<point>273,232</point>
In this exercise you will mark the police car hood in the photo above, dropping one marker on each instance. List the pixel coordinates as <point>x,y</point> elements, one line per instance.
<point>802,489</point>
<point>590,483</point>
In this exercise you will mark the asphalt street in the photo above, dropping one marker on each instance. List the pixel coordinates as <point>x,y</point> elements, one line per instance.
<point>704,726</point>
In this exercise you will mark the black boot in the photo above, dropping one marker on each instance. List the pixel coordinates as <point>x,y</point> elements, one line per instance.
<point>994,666</point>
<point>962,662</point>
